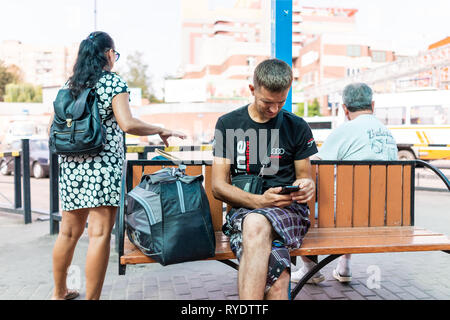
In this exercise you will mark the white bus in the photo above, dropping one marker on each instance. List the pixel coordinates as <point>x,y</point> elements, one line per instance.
<point>418,120</point>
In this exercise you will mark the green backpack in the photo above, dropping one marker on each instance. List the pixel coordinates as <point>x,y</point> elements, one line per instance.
<point>77,128</point>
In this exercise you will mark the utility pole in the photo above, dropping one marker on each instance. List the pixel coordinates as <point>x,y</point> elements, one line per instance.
<point>95,15</point>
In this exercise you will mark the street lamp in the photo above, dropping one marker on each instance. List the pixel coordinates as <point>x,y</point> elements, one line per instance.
<point>95,15</point>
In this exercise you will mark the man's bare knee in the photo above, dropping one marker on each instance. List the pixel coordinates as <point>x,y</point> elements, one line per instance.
<point>256,229</point>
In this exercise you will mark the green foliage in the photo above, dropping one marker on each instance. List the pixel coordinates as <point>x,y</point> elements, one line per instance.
<point>7,76</point>
<point>23,92</point>
<point>136,75</point>
<point>154,99</point>
<point>313,110</point>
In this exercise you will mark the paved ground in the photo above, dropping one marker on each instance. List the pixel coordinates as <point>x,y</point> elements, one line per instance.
<point>25,253</point>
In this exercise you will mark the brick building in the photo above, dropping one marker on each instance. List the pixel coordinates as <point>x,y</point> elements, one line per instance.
<point>222,45</point>
<point>334,56</point>
<point>45,65</point>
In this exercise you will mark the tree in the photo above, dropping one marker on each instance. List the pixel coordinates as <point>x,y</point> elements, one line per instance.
<point>136,75</point>
<point>7,75</point>
<point>23,92</point>
<point>313,110</point>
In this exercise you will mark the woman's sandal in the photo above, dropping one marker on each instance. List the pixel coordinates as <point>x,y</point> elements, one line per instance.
<point>71,294</point>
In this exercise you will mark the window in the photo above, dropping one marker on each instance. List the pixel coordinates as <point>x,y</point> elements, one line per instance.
<point>251,61</point>
<point>378,56</point>
<point>391,116</point>
<point>353,51</point>
<point>309,78</point>
<point>429,115</point>
<point>352,71</point>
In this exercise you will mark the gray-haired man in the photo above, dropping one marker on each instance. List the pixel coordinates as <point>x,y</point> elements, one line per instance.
<point>262,227</point>
<point>363,137</point>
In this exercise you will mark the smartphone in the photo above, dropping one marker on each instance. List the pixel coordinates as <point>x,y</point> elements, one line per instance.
<point>289,189</point>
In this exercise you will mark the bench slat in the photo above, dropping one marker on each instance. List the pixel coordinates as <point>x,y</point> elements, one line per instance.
<point>369,232</point>
<point>215,205</point>
<point>133,255</point>
<point>333,241</point>
<point>377,196</point>
<point>326,196</point>
<point>312,202</point>
<point>372,244</point>
<point>394,196</point>
<point>344,196</point>
<point>361,188</point>
<point>406,211</point>
<point>137,173</point>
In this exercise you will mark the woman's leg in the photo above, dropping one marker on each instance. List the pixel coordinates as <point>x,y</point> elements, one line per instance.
<point>101,222</point>
<point>72,226</point>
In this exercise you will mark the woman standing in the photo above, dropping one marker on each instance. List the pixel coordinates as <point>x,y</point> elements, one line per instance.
<point>90,184</point>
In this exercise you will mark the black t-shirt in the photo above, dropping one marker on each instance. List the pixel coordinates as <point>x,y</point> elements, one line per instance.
<point>244,141</point>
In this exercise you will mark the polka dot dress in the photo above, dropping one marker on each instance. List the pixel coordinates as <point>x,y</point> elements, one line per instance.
<point>89,181</point>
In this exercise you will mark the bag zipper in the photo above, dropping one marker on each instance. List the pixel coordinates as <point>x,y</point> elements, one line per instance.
<point>68,132</point>
<point>146,206</point>
<point>181,196</point>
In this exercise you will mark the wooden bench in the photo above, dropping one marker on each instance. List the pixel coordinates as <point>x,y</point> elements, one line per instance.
<point>373,211</point>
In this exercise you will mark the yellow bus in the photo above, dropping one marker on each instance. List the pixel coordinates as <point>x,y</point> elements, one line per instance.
<point>419,122</point>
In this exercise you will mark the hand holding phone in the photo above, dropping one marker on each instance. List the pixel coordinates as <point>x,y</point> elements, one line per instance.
<point>289,189</point>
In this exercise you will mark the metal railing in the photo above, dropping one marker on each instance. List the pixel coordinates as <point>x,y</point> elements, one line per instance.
<point>21,204</point>
<point>438,172</point>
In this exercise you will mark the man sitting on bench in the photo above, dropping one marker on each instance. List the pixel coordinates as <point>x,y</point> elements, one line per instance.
<point>363,137</point>
<point>262,227</point>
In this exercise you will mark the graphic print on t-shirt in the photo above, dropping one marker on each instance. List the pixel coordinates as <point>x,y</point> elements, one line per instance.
<point>244,142</point>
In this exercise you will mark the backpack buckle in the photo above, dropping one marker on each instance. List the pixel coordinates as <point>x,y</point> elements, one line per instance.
<point>69,122</point>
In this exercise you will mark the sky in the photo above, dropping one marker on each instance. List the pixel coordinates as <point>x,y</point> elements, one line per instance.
<point>153,26</point>
<point>409,24</point>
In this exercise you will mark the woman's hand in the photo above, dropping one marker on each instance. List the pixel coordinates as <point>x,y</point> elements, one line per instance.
<point>166,134</point>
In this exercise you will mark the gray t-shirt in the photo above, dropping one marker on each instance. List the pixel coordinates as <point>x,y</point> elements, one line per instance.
<point>364,138</point>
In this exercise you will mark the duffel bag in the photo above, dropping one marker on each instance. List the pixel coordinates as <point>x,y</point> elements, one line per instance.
<point>168,217</point>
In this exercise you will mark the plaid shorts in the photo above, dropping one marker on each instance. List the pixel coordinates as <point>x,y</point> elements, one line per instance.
<point>290,224</point>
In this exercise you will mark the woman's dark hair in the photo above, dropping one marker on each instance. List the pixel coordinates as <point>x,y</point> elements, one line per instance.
<point>90,61</point>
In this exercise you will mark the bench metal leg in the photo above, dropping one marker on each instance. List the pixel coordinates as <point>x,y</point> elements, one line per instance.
<point>230,264</point>
<point>122,269</point>
<point>447,251</point>
<point>313,271</point>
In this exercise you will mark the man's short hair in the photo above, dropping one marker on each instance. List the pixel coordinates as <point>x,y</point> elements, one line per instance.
<point>273,74</point>
<point>357,97</point>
